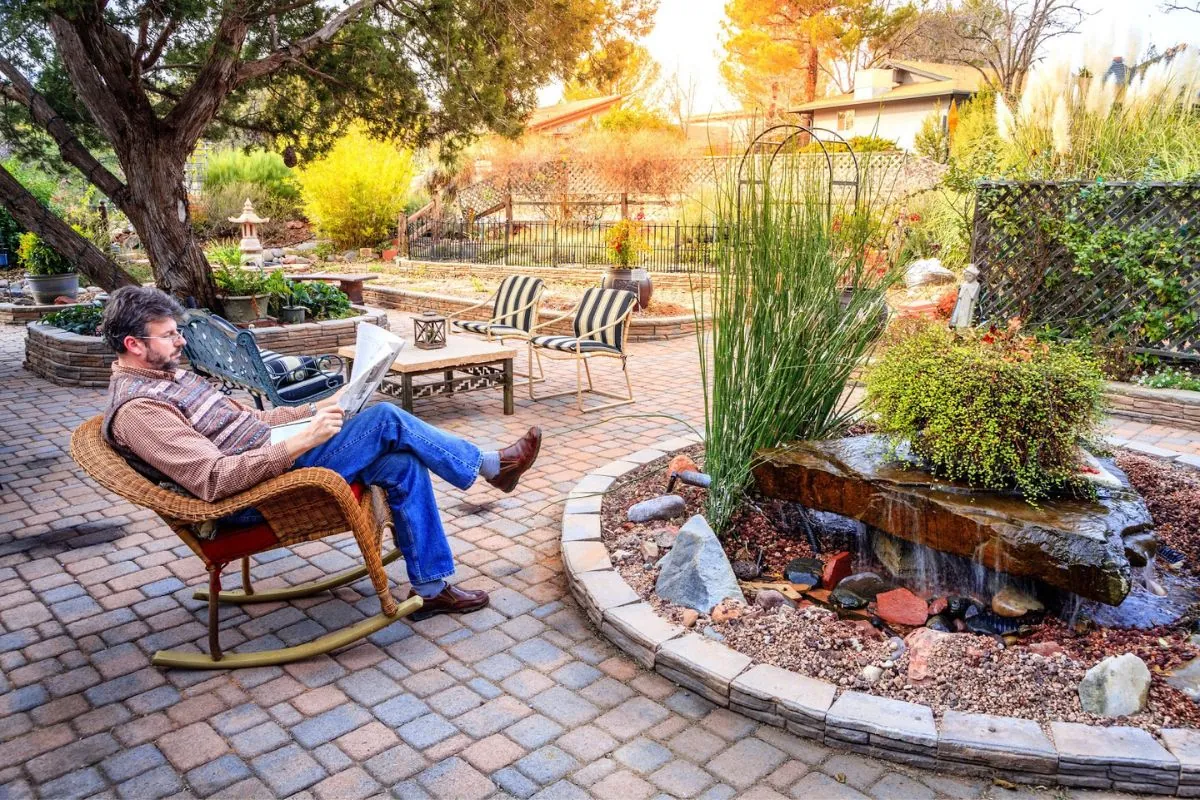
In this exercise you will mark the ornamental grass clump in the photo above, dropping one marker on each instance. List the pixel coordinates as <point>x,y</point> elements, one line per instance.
<point>995,409</point>
<point>796,305</point>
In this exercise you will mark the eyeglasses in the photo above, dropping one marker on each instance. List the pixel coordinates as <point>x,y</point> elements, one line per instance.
<point>174,337</point>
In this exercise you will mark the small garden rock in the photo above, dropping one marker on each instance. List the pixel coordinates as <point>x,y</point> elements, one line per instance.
<point>1012,602</point>
<point>649,551</point>
<point>837,566</point>
<point>902,607</point>
<point>769,599</point>
<point>871,674</point>
<point>665,538</point>
<point>665,507</point>
<point>1116,687</point>
<point>921,644</point>
<point>681,463</point>
<point>696,573</point>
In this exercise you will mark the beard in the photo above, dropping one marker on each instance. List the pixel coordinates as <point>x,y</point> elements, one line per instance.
<point>165,363</point>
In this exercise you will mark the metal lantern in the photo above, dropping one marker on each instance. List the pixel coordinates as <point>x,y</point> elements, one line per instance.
<point>429,330</point>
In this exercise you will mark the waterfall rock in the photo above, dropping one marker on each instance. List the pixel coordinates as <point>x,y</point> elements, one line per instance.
<point>902,607</point>
<point>1116,687</point>
<point>1072,544</point>
<point>864,584</point>
<point>665,507</point>
<point>696,573</point>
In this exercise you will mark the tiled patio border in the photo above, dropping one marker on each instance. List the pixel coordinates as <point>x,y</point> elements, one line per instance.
<point>1120,758</point>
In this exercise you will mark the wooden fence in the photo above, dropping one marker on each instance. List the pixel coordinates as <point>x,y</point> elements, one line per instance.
<point>1020,245</point>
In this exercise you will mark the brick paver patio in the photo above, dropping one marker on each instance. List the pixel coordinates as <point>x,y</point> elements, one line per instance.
<point>522,699</point>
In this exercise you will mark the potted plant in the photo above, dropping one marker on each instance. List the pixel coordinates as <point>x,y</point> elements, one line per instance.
<point>243,293</point>
<point>624,243</point>
<point>289,298</point>
<point>50,275</point>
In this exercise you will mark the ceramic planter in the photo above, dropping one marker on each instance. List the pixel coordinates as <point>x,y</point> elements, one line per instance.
<point>46,288</point>
<point>292,315</point>
<point>636,281</point>
<point>245,308</point>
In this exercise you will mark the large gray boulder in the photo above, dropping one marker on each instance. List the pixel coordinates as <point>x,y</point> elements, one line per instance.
<point>1115,687</point>
<point>696,573</point>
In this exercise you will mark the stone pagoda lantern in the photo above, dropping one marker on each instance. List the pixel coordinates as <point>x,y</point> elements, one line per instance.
<point>250,246</point>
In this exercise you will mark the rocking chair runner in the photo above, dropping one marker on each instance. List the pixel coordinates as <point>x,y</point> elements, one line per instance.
<point>299,506</point>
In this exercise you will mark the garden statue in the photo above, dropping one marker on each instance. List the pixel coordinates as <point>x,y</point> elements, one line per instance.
<point>968,295</point>
<point>250,246</point>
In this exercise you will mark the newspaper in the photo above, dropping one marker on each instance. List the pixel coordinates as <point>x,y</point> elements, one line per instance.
<point>374,352</point>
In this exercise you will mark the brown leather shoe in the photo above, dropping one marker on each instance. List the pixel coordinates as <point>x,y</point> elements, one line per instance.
<point>516,458</point>
<point>451,600</point>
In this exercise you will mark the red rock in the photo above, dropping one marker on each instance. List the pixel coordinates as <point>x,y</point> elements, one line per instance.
<point>837,566</point>
<point>681,463</point>
<point>868,630</point>
<point>63,300</point>
<point>902,607</point>
<point>1046,649</point>
<point>690,615</point>
<point>819,595</point>
<point>938,605</point>
<point>921,644</point>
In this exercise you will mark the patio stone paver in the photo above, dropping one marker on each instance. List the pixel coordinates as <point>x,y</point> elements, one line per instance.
<point>522,700</point>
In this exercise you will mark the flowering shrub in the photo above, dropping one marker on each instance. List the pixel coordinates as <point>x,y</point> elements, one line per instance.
<point>997,409</point>
<point>1170,378</point>
<point>624,243</point>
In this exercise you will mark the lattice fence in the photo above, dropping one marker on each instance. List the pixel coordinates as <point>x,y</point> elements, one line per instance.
<point>1027,271</point>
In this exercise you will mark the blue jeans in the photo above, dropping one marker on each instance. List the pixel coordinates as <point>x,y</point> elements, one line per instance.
<point>387,447</point>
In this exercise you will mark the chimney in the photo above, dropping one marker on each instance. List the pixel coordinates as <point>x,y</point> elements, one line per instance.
<point>870,83</point>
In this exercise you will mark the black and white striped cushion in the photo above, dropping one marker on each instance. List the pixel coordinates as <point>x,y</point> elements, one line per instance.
<point>483,328</point>
<point>601,307</point>
<point>567,344</point>
<point>286,370</point>
<point>515,292</point>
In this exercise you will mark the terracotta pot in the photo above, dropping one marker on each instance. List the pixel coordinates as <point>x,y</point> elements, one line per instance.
<point>631,280</point>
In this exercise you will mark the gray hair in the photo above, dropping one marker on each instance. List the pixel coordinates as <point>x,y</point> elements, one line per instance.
<point>130,309</point>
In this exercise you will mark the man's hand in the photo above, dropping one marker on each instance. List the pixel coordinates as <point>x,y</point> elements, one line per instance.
<point>333,399</point>
<point>322,427</point>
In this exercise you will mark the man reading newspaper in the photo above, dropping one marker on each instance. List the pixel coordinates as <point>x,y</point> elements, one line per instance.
<point>178,425</point>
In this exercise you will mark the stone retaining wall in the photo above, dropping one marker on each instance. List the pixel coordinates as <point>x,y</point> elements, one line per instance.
<point>314,338</point>
<point>1172,407</point>
<point>13,314</point>
<point>493,273</point>
<point>1118,758</point>
<point>68,359</point>
<point>642,329</point>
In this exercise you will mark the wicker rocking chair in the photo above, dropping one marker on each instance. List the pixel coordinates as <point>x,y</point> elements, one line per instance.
<point>299,506</point>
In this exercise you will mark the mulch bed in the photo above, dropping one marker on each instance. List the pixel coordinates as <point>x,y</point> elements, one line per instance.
<point>970,673</point>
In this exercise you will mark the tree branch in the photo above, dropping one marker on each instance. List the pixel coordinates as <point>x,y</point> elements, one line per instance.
<point>86,257</point>
<point>213,83</point>
<point>276,60</point>
<point>108,113</point>
<point>72,150</point>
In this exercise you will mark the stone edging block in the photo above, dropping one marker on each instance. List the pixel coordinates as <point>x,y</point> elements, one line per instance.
<point>1119,758</point>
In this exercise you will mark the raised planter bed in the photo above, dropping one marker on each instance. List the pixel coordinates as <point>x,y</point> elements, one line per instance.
<point>1176,408</point>
<point>642,329</point>
<point>15,314</point>
<point>68,359</point>
<point>1014,749</point>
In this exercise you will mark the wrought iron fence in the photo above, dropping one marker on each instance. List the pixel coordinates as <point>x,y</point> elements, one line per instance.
<point>1019,243</point>
<point>670,247</point>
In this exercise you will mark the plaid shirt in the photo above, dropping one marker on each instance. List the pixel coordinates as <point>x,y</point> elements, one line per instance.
<point>160,435</point>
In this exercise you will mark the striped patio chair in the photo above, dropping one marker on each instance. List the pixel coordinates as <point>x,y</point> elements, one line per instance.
<point>600,328</point>
<point>514,314</point>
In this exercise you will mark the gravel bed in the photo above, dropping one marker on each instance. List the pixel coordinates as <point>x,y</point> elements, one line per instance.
<point>969,673</point>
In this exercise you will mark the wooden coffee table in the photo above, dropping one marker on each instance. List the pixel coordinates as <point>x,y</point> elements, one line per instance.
<point>480,364</point>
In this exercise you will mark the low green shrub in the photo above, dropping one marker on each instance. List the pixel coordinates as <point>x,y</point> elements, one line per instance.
<point>324,301</point>
<point>996,409</point>
<point>83,320</point>
<point>224,253</point>
<point>860,144</point>
<point>1170,378</point>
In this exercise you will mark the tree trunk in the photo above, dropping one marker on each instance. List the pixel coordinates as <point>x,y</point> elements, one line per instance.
<point>33,216</point>
<point>161,217</point>
<point>810,78</point>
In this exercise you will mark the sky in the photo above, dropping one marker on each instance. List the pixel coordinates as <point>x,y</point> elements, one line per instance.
<point>687,37</point>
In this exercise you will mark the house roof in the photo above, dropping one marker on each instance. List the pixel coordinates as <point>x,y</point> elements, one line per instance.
<point>547,118</point>
<point>944,80</point>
